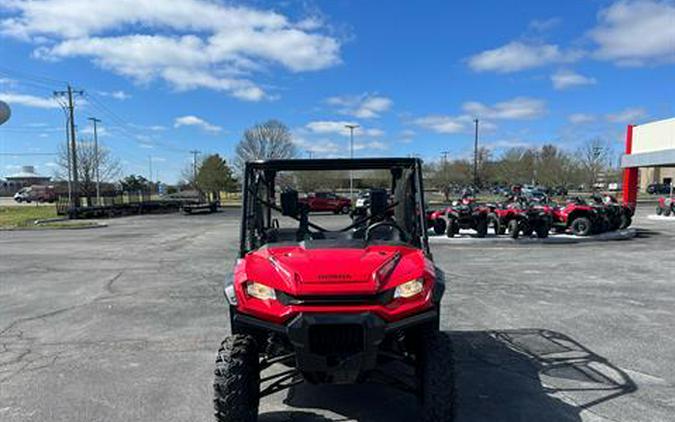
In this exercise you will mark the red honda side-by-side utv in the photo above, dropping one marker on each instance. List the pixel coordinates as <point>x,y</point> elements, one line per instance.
<point>333,304</point>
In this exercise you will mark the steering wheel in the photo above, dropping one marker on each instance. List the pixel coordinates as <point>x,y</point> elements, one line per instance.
<point>403,236</point>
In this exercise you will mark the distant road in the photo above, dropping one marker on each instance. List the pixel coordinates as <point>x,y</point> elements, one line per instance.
<point>9,201</point>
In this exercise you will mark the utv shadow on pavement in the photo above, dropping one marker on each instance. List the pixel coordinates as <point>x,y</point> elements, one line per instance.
<point>531,375</point>
<point>509,375</point>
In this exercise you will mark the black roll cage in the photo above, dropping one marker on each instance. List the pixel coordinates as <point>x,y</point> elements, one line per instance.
<point>259,174</point>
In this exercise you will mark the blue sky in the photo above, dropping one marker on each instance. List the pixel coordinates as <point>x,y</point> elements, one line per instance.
<point>166,77</point>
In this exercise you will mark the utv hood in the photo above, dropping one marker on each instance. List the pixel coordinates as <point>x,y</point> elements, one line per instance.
<point>300,271</point>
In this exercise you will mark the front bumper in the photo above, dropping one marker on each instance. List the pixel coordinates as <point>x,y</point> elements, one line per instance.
<point>334,348</point>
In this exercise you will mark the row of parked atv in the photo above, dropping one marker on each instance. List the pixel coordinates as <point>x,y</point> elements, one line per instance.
<point>524,216</point>
<point>666,206</point>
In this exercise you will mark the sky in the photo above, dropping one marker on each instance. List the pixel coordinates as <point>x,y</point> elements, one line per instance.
<point>167,77</point>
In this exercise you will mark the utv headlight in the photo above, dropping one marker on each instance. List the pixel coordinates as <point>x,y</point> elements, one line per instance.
<point>409,288</point>
<point>260,291</point>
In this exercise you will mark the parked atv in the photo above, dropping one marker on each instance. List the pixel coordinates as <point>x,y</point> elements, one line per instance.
<point>615,216</point>
<point>521,217</point>
<point>436,220</point>
<point>333,306</point>
<point>576,216</point>
<point>467,214</point>
<point>666,206</point>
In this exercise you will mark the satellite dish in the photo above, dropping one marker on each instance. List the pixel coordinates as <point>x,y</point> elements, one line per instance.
<point>5,112</point>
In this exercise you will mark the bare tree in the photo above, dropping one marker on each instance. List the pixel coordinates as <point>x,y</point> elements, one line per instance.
<point>87,158</point>
<point>264,141</point>
<point>594,158</point>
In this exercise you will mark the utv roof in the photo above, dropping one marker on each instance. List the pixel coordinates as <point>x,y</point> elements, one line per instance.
<point>334,164</point>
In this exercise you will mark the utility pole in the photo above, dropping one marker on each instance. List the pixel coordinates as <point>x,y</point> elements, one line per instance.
<point>351,127</point>
<point>475,156</point>
<point>95,121</point>
<point>444,154</point>
<point>73,143</point>
<point>194,153</point>
<point>150,168</point>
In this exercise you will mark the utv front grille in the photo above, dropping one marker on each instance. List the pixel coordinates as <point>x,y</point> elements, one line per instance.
<point>336,339</point>
<point>328,300</point>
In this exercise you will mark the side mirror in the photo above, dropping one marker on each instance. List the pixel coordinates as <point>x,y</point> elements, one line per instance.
<point>289,203</point>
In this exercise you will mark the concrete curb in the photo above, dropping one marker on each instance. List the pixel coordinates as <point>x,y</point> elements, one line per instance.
<point>466,237</point>
<point>655,217</point>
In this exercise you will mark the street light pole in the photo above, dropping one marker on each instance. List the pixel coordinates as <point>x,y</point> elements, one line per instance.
<point>475,156</point>
<point>95,121</point>
<point>351,127</point>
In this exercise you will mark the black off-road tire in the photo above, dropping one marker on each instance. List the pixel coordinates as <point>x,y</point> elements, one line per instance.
<point>435,372</point>
<point>493,222</point>
<point>236,386</point>
<point>581,226</point>
<point>659,210</point>
<point>453,228</point>
<point>626,221</point>
<point>514,228</point>
<point>542,230</point>
<point>440,225</point>
<point>666,211</point>
<point>482,227</point>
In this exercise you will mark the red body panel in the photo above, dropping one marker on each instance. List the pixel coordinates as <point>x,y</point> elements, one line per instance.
<point>561,215</point>
<point>630,175</point>
<point>299,272</point>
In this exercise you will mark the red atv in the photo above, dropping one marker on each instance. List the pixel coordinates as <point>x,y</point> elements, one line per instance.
<point>578,217</point>
<point>521,217</point>
<point>333,305</point>
<point>463,214</point>
<point>666,206</point>
<point>327,201</point>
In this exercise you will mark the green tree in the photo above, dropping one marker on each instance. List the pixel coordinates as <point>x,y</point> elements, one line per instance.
<point>133,183</point>
<point>214,176</point>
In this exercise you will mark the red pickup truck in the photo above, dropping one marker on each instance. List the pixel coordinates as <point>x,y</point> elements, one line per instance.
<point>327,201</point>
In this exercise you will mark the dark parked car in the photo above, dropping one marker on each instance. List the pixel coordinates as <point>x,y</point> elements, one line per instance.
<point>658,189</point>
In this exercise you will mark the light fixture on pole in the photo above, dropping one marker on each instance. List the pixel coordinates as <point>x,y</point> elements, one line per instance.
<point>351,127</point>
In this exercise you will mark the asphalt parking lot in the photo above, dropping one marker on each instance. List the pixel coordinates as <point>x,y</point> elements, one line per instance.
<point>122,323</point>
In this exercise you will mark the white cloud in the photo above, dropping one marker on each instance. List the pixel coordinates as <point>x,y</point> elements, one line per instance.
<point>28,100</point>
<point>187,43</point>
<point>323,147</point>
<point>516,56</point>
<point>444,124</point>
<point>364,106</point>
<point>580,118</point>
<point>636,32</point>
<point>628,115</point>
<point>196,121</point>
<point>407,136</point>
<point>329,126</point>
<point>374,145</point>
<point>543,25</point>
<point>118,95</point>
<point>564,79</point>
<point>518,108</point>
